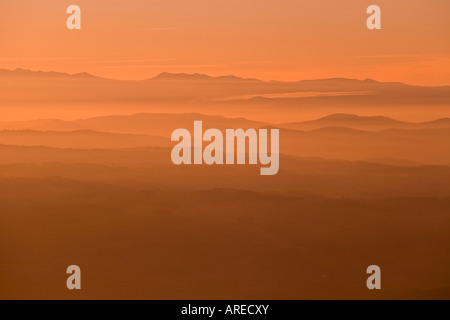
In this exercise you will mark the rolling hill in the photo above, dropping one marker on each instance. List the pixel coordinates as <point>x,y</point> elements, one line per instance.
<point>364,123</point>
<point>81,139</point>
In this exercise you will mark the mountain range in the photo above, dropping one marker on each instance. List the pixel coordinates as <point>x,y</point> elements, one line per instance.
<point>164,123</point>
<point>59,95</point>
<point>364,123</point>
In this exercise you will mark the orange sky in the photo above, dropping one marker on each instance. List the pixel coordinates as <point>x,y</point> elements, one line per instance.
<point>266,39</point>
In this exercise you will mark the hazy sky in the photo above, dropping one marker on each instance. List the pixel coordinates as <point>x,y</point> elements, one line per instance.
<point>267,39</point>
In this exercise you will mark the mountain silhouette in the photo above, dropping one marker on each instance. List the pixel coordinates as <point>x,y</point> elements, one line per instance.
<point>353,121</point>
<point>53,94</point>
<point>81,139</point>
<point>19,72</point>
<point>166,76</point>
<point>161,124</point>
<point>199,77</point>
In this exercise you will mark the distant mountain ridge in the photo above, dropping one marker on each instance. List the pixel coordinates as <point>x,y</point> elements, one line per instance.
<point>82,139</point>
<point>327,137</point>
<point>145,123</point>
<point>45,93</point>
<point>356,122</point>
<point>19,72</point>
<point>139,123</point>
<point>166,76</point>
<point>200,77</point>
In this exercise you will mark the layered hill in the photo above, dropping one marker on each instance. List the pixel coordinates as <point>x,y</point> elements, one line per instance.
<point>364,123</point>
